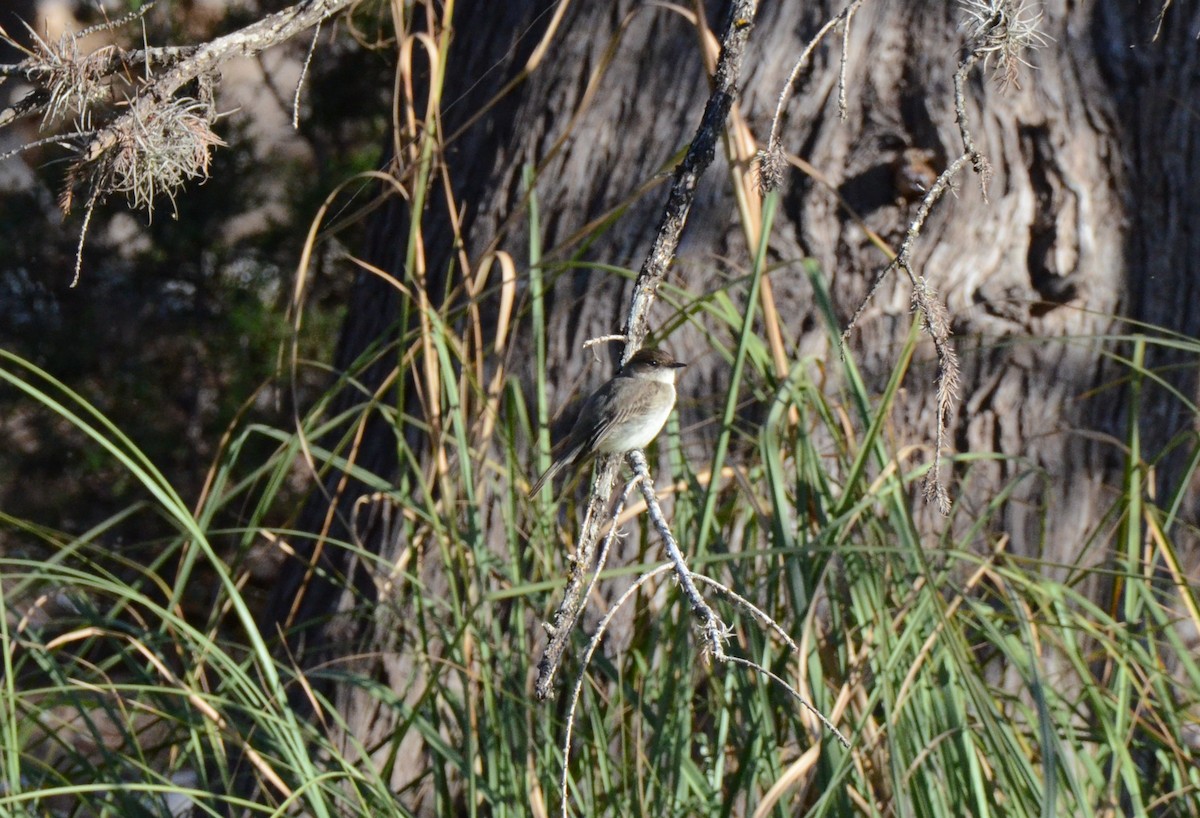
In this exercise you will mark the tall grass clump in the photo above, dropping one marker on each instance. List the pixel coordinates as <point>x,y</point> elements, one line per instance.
<point>966,678</point>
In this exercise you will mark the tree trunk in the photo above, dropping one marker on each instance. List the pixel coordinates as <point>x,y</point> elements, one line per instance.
<point>1088,217</point>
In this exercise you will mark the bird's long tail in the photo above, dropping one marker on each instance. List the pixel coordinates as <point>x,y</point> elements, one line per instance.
<point>557,466</point>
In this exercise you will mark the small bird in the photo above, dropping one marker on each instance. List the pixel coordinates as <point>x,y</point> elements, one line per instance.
<point>625,414</point>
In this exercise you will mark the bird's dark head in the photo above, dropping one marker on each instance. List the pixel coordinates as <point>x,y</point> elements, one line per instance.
<point>653,364</point>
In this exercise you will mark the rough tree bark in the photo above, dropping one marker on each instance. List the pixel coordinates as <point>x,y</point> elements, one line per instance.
<point>1089,216</point>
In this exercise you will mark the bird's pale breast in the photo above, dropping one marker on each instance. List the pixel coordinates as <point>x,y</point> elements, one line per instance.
<point>640,420</point>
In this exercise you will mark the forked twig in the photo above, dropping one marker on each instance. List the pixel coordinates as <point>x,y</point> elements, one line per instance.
<point>767,621</point>
<point>577,688</point>
<point>771,161</point>
<point>738,660</point>
<point>602,628</point>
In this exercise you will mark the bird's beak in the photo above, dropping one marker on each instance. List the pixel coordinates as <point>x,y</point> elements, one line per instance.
<point>679,365</point>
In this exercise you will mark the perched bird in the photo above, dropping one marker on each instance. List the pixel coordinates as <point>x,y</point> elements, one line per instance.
<point>625,414</point>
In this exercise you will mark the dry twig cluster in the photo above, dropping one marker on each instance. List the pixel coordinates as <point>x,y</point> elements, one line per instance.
<point>1006,30</point>
<point>141,119</point>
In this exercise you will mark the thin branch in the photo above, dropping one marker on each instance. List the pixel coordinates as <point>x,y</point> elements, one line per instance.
<point>1162,13</point>
<point>594,644</point>
<point>597,637</point>
<point>83,231</point>
<point>750,608</point>
<point>312,47</point>
<point>978,161</point>
<point>786,93</point>
<point>935,322</point>
<point>571,605</point>
<point>184,64</point>
<point>738,660</point>
<point>111,25</point>
<point>843,109</point>
<point>577,688</point>
<point>714,631</point>
<point>602,339</point>
<point>61,141</point>
<point>767,621</point>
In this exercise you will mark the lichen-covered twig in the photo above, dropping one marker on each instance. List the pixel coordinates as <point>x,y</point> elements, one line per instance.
<point>714,632</point>
<point>771,161</point>
<point>687,175</point>
<point>1003,28</point>
<point>152,136</point>
<point>579,569</point>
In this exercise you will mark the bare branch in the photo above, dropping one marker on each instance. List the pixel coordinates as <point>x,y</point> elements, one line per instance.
<point>774,150</point>
<point>110,25</point>
<point>843,109</point>
<point>697,159</point>
<point>578,570</point>
<point>312,47</point>
<point>597,637</point>
<point>61,141</point>
<point>714,631</point>
<point>738,660</point>
<point>83,230</point>
<point>577,688</point>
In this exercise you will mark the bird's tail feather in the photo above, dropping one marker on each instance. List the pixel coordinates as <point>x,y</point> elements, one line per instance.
<point>548,474</point>
<point>558,465</point>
